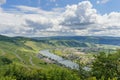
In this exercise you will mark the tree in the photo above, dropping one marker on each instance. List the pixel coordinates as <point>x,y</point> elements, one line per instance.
<point>107,65</point>
<point>4,60</point>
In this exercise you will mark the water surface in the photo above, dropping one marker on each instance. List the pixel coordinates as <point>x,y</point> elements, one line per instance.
<point>59,59</point>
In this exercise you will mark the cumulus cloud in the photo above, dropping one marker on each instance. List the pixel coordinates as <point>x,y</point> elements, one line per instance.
<point>12,23</point>
<point>26,22</point>
<point>79,16</point>
<point>77,19</point>
<point>85,20</point>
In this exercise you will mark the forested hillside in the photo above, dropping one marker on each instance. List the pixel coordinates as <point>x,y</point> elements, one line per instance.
<point>90,39</point>
<point>19,61</point>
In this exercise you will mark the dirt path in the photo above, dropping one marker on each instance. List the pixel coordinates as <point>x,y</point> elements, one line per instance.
<point>18,56</point>
<point>31,62</point>
<point>20,59</point>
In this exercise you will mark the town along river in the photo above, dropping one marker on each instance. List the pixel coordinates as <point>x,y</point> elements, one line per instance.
<point>59,59</point>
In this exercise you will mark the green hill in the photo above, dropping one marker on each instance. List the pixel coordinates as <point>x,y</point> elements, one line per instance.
<point>19,61</point>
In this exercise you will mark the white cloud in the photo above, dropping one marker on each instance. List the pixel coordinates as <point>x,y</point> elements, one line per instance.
<point>11,23</point>
<point>77,19</point>
<point>85,20</point>
<point>79,16</point>
<point>102,1</point>
<point>2,2</point>
<point>26,23</point>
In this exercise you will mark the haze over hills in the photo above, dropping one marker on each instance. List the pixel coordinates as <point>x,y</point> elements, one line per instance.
<point>90,39</point>
<point>70,41</point>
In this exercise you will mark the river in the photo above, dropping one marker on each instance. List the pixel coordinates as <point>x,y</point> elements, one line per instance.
<point>59,59</point>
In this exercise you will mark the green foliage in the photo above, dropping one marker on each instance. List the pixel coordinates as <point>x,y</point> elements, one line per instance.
<point>4,60</point>
<point>82,72</point>
<point>7,78</point>
<point>20,72</point>
<point>92,78</point>
<point>106,66</point>
<point>18,53</point>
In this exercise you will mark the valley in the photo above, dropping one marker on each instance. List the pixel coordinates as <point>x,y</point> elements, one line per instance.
<point>49,55</point>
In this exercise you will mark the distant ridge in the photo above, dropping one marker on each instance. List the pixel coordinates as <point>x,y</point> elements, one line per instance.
<point>68,39</point>
<point>91,39</point>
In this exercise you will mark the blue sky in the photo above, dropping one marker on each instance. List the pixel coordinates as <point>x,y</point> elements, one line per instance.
<point>60,17</point>
<point>107,7</point>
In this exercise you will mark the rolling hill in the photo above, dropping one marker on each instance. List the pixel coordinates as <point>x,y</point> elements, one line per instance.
<point>90,39</point>
<point>19,56</point>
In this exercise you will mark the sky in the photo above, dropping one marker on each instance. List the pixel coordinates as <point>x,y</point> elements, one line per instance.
<point>41,18</point>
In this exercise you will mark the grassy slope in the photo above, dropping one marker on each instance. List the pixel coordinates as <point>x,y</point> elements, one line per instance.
<point>21,50</point>
<point>21,53</point>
